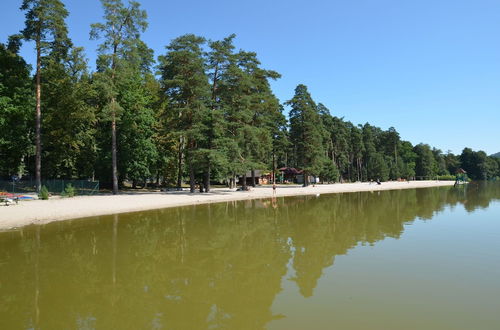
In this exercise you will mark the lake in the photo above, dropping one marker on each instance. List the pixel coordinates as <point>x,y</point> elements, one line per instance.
<point>403,259</point>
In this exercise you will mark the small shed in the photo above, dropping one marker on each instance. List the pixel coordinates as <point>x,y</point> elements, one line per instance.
<point>261,177</point>
<point>289,174</point>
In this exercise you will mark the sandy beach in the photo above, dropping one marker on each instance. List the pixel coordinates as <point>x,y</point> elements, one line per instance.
<point>57,209</point>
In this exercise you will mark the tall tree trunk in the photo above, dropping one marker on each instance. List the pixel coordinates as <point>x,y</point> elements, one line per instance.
<point>359,169</point>
<point>179,164</point>
<point>113,149</point>
<point>207,177</point>
<point>211,129</point>
<point>38,122</point>
<point>253,177</point>
<point>244,185</point>
<point>209,147</point>
<point>349,171</point>
<point>306,181</point>
<point>114,159</point>
<point>191,174</point>
<point>274,169</point>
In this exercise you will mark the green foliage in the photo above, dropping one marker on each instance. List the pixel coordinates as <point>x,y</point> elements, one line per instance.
<point>120,33</point>
<point>44,193</point>
<point>440,165</point>
<point>377,168</point>
<point>475,163</point>
<point>306,133</point>
<point>329,172</point>
<point>69,191</point>
<point>45,25</point>
<point>185,84</point>
<point>409,157</point>
<point>16,112</point>
<point>221,115</point>
<point>280,137</point>
<point>425,163</point>
<point>447,177</point>
<point>123,61</point>
<point>138,150</point>
<point>452,163</point>
<point>251,110</point>
<point>478,165</point>
<point>69,120</point>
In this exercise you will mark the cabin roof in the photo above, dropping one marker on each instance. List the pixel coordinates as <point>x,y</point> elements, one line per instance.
<point>290,170</point>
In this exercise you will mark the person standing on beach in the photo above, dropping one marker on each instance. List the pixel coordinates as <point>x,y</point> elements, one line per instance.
<point>274,188</point>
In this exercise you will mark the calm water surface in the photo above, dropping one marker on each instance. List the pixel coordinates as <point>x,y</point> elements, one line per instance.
<point>407,259</point>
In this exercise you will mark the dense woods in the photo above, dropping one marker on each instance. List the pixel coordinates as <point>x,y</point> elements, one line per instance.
<point>203,112</point>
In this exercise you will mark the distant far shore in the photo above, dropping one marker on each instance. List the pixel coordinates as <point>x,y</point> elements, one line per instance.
<point>58,209</point>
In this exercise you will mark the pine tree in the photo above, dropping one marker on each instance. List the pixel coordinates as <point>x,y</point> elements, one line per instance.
<point>390,144</point>
<point>340,144</point>
<point>16,107</point>
<point>218,60</point>
<point>377,167</point>
<point>250,111</point>
<point>439,162</point>
<point>138,150</point>
<point>408,157</point>
<point>69,121</point>
<point>357,149</point>
<point>370,150</point>
<point>121,30</point>
<point>305,133</point>
<point>186,86</point>
<point>425,162</point>
<point>266,113</point>
<point>329,172</point>
<point>236,98</point>
<point>46,26</point>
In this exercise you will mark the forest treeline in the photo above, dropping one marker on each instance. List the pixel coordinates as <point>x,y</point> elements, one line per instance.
<point>201,112</point>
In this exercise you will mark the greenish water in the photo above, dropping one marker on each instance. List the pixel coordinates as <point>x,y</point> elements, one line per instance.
<point>404,259</point>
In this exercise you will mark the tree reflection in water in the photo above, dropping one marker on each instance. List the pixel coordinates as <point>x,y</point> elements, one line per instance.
<point>206,266</point>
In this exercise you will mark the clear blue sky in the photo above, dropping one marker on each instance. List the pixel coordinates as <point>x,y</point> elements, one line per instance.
<point>429,68</point>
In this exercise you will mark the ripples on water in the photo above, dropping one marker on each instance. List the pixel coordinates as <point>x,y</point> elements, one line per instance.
<point>403,259</point>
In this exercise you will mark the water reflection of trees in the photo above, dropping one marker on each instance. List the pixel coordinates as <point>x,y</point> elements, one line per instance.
<point>218,265</point>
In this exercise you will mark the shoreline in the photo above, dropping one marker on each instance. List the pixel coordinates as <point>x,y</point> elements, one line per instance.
<point>60,209</point>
